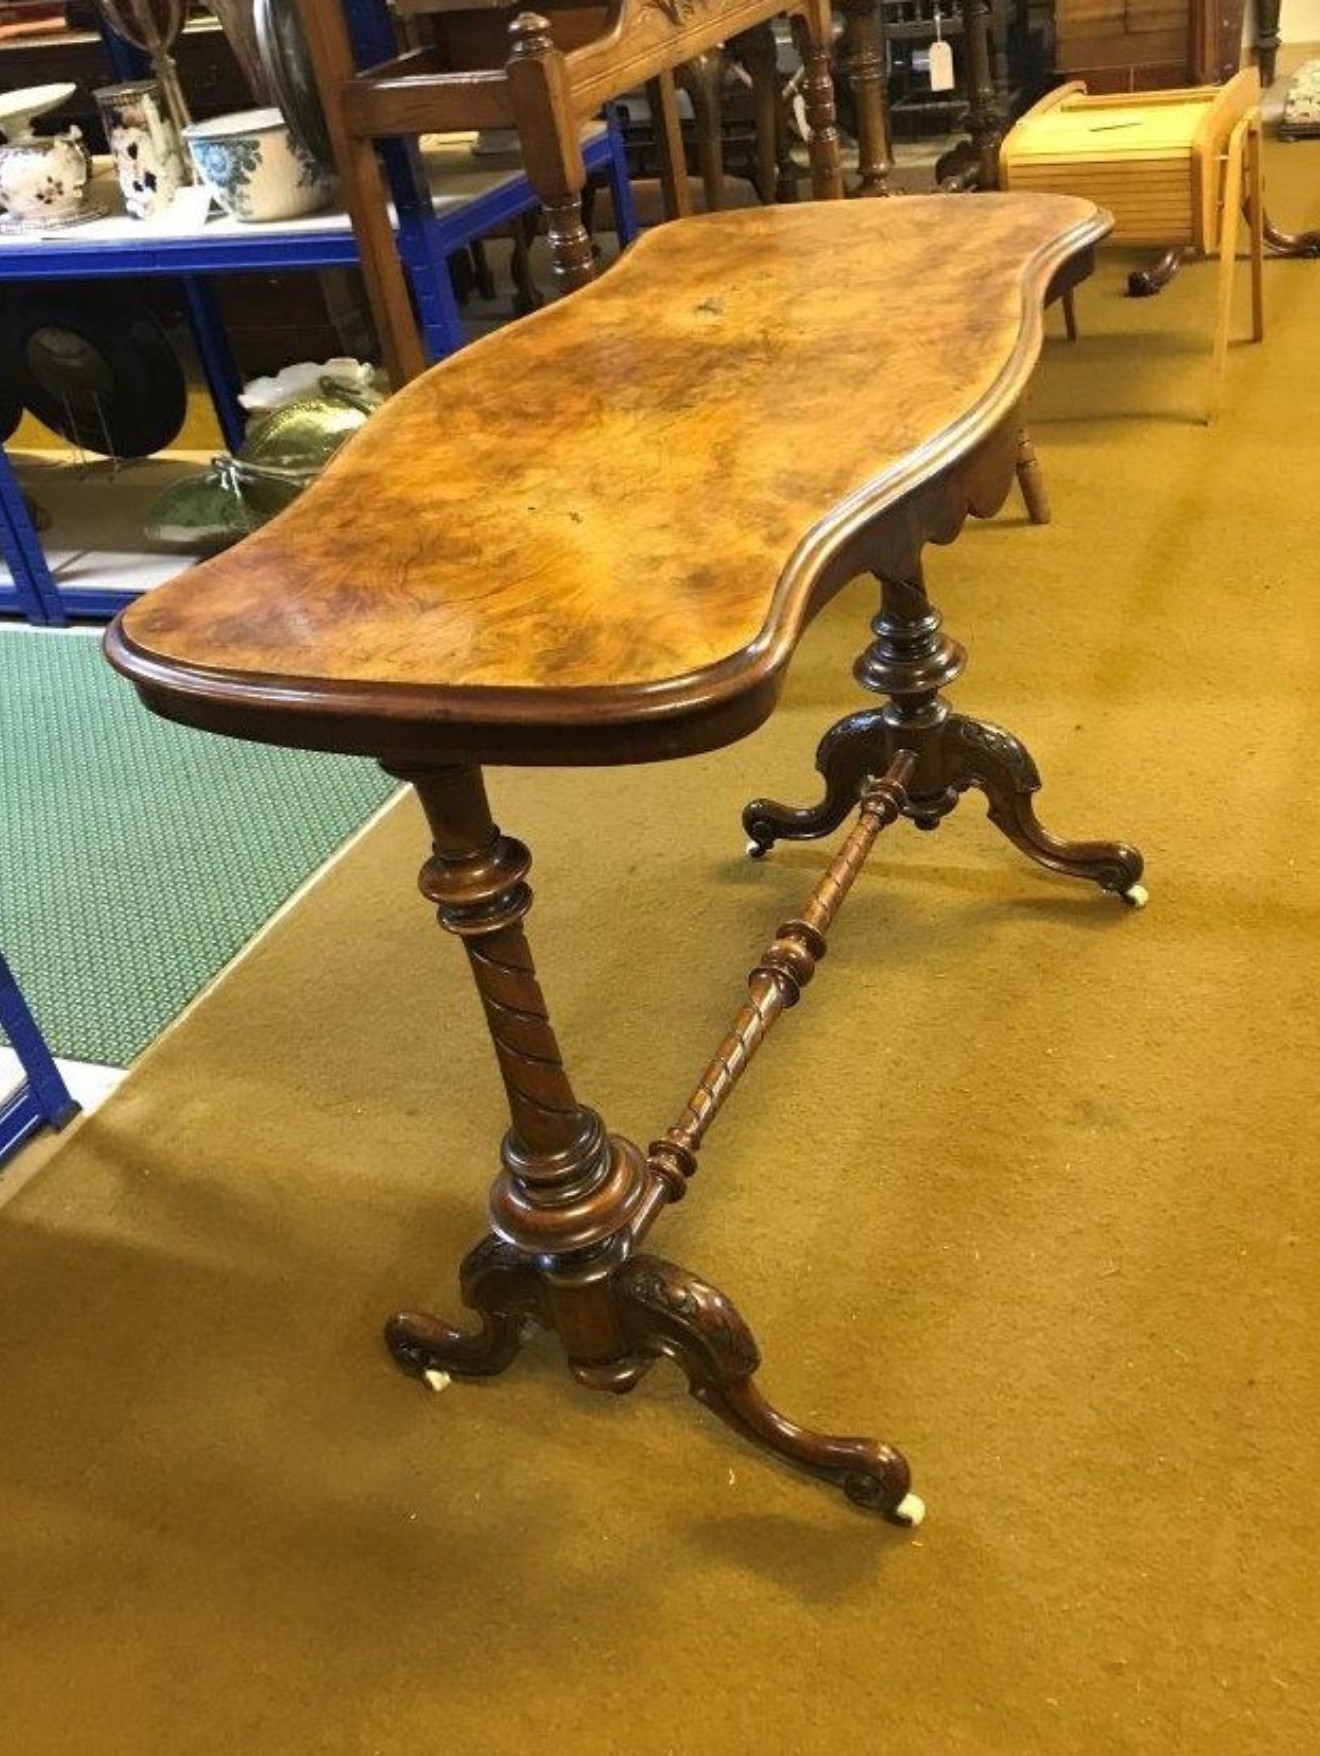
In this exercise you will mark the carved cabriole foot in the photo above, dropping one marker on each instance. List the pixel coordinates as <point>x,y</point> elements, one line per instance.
<point>846,758</point>
<point>616,1320</point>
<point>1144,283</point>
<point>1305,245</point>
<point>912,661</point>
<point>503,1287</point>
<point>664,1310</point>
<point>953,753</point>
<point>976,754</point>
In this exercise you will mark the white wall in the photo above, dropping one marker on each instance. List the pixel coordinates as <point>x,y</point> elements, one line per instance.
<point>1299,21</point>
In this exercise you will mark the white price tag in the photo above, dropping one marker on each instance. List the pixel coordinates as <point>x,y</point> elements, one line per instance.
<point>941,67</point>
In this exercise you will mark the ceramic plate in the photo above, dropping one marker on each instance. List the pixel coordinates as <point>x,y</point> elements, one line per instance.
<point>95,366</point>
<point>10,223</point>
<point>283,50</point>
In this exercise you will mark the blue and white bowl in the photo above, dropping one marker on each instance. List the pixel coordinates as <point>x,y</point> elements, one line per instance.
<point>255,169</point>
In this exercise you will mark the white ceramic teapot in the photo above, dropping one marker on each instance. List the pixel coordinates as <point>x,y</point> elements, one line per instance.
<point>43,182</point>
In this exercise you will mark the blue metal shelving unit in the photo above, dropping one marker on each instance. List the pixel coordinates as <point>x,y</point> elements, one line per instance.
<point>42,1100</point>
<point>427,237</point>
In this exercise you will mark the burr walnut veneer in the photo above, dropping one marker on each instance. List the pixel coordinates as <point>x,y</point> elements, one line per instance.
<point>596,537</point>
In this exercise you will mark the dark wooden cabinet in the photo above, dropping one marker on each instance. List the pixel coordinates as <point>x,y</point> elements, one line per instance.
<point>1141,45</point>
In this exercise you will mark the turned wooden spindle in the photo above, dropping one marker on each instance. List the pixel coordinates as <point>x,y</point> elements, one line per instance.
<point>550,133</point>
<point>776,983</point>
<point>814,50</point>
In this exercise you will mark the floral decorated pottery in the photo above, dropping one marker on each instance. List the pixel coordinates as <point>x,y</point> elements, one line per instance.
<point>148,154</point>
<point>255,169</point>
<point>42,182</point>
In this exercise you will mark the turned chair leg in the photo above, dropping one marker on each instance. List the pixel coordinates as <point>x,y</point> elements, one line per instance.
<point>662,96</point>
<point>757,52</point>
<point>556,170</point>
<point>1230,217</point>
<point>1256,222</point>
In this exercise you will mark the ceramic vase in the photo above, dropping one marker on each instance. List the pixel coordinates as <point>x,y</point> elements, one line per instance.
<point>149,158</point>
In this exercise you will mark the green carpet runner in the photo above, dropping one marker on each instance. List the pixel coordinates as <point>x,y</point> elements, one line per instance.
<point>137,857</point>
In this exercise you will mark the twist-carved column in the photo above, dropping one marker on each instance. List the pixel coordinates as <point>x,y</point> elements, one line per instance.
<point>565,1184</point>
<point>776,982</point>
<point>572,1202</point>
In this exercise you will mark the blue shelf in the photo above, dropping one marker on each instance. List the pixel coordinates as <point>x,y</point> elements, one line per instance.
<point>43,1099</point>
<point>430,229</point>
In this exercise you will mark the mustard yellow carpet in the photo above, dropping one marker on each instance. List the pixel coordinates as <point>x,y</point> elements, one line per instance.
<point>1028,1185</point>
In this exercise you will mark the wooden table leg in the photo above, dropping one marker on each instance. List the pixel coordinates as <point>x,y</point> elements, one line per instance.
<point>974,162</point>
<point>572,1202</point>
<point>1280,243</point>
<point>911,661</point>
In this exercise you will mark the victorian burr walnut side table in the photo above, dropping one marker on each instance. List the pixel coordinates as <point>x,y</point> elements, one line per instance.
<point>596,537</point>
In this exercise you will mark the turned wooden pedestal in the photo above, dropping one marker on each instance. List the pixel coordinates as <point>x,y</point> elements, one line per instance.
<point>596,538</point>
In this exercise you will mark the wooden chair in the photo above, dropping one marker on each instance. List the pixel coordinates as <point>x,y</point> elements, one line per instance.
<point>485,67</point>
<point>1175,168</point>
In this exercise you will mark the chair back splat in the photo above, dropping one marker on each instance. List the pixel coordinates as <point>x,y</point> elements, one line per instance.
<point>547,77</point>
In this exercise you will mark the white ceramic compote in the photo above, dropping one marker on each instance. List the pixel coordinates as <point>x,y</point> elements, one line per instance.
<point>19,109</point>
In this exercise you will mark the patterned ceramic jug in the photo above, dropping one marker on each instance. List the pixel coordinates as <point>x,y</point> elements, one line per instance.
<point>149,158</point>
<point>42,182</point>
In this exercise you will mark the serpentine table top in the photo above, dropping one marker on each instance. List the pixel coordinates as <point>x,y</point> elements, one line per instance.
<point>595,536</point>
